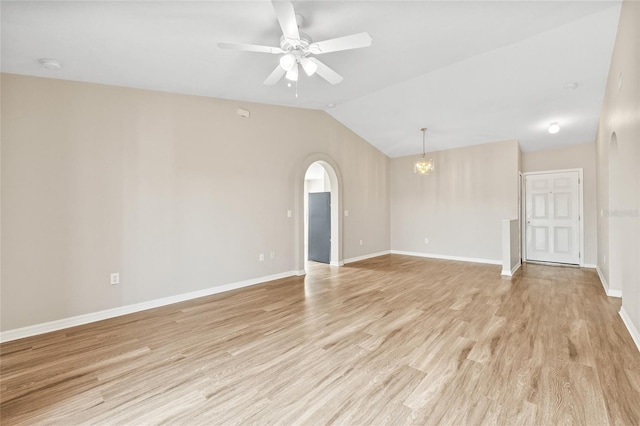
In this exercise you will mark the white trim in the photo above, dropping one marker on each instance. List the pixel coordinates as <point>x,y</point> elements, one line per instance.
<point>633,331</point>
<point>605,285</point>
<point>544,172</point>
<point>336,263</point>
<point>590,266</point>
<point>300,273</point>
<point>523,202</point>
<point>513,270</point>
<point>367,256</point>
<point>614,293</point>
<point>60,324</point>
<point>446,257</point>
<point>335,177</point>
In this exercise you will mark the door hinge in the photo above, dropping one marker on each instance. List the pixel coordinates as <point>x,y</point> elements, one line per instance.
<point>578,181</point>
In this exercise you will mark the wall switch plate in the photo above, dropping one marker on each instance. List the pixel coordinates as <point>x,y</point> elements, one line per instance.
<point>115,278</point>
<point>426,241</point>
<point>273,254</point>
<point>360,242</point>
<point>288,213</point>
<point>346,212</point>
<point>261,257</point>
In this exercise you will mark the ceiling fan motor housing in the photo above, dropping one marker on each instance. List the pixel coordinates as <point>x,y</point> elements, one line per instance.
<point>290,44</point>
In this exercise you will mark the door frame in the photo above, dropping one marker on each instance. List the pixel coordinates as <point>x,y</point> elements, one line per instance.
<point>335,177</point>
<point>523,213</point>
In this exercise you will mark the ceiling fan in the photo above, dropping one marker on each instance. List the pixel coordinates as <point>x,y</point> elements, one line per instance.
<point>296,48</point>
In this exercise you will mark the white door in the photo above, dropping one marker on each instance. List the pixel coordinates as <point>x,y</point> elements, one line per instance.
<point>552,217</point>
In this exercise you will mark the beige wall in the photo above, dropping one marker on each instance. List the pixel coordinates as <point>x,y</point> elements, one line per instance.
<point>460,206</point>
<point>618,166</point>
<point>175,192</point>
<point>573,157</point>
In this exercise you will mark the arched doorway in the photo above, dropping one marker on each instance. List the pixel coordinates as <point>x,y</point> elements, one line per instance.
<point>335,184</point>
<point>615,202</point>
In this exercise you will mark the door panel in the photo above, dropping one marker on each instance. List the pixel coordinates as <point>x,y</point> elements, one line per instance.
<point>540,202</point>
<point>320,226</point>
<point>540,239</point>
<point>563,239</point>
<point>552,221</point>
<point>562,204</point>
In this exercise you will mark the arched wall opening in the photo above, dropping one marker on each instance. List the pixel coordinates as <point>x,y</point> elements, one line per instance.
<point>335,181</point>
<point>615,231</point>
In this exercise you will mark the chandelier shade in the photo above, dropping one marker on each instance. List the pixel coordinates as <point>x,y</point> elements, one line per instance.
<point>422,165</point>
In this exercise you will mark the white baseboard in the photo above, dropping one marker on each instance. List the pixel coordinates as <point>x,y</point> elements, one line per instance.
<point>633,330</point>
<point>367,256</point>
<point>300,273</point>
<point>507,273</point>
<point>47,327</point>
<point>589,265</point>
<point>441,256</point>
<point>335,263</point>
<point>605,285</point>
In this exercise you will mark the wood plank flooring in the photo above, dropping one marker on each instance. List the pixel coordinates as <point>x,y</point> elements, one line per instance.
<point>391,340</point>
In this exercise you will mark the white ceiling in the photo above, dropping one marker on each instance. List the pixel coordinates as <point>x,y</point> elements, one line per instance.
<point>472,72</point>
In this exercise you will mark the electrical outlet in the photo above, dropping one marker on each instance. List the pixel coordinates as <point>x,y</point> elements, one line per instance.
<point>346,212</point>
<point>288,213</point>
<point>273,254</point>
<point>426,241</point>
<point>604,258</point>
<point>360,242</point>
<point>115,278</point>
<point>261,257</point>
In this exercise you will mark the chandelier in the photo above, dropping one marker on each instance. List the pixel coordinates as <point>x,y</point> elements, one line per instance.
<point>423,166</point>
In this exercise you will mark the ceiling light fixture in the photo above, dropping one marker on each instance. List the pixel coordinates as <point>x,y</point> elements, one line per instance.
<point>423,166</point>
<point>287,61</point>
<point>309,66</point>
<point>554,128</point>
<point>50,64</point>
<point>292,74</point>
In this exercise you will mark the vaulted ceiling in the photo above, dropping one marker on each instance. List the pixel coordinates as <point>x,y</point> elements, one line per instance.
<point>470,71</point>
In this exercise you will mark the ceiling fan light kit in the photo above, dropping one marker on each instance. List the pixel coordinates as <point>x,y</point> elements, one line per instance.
<point>287,61</point>
<point>297,48</point>
<point>422,166</point>
<point>292,74</point>
<point>308,66</point>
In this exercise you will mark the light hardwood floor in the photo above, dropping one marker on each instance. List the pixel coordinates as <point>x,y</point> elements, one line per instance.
<point>391,340</point>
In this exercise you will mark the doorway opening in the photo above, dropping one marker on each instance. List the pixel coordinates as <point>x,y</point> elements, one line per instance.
<point>318,195</point>
<point>317,214</point>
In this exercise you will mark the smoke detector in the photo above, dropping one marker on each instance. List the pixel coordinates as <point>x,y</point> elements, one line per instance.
<point>51,64</point>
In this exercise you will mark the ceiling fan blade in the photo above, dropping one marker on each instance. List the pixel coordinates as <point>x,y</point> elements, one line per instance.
<point>275,76</point>
<point>250,48</point>
<point>327,73</point>
<point>353,41</point>
<point>287,18</point>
